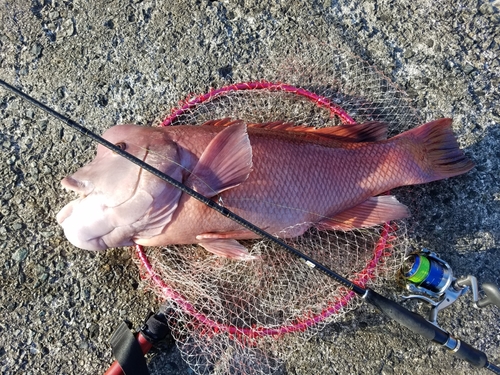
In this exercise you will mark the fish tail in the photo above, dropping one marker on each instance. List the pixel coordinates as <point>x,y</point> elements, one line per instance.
<point>436,151</point>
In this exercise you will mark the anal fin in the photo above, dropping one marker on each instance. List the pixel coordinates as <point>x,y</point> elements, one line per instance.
<point>373,211</point>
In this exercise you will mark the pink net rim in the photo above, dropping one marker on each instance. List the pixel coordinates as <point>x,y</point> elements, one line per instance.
<point>319,100</point>
<point>362,278</point>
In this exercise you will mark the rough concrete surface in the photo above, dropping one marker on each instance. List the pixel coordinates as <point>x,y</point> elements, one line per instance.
<point>109,62</point>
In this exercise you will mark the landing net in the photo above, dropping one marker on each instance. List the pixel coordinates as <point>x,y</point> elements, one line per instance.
<point>245,317</point>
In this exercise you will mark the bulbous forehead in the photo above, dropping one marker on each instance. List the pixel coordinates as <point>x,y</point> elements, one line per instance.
<point>119,133</point>
<point>143,136</point>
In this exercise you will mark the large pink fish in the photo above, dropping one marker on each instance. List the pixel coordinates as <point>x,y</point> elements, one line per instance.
<point>282,178</point>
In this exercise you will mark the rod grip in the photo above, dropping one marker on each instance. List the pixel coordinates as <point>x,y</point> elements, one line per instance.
<point>423,327</point>
<point>470,354</point>
<point>407,318</point>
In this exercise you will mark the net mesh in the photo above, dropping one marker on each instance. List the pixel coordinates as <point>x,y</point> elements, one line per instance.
<point>234,317</point>
<point>229,316</point>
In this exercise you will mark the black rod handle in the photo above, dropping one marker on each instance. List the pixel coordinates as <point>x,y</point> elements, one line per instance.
<point>423,327</point>
<point>470,354</point>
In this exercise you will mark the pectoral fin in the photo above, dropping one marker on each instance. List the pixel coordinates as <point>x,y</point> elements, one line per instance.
<point>225,163</point>
<point>376,210</point>
<point>227,248</point>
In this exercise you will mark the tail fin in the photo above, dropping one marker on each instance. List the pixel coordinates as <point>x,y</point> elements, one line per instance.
<point>436,146</point>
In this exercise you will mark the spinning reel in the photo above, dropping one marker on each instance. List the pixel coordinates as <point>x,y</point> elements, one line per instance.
<point>431,280</point>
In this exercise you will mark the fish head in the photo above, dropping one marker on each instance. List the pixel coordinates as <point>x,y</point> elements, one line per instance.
<point>118,199</point>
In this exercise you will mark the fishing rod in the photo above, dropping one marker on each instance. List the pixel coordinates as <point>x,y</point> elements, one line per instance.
<point>395,311</point>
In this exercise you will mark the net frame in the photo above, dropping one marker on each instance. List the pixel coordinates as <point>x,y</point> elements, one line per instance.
<point>362,278</point>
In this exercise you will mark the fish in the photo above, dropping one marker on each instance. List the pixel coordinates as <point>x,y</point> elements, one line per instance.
<point>282,177</point>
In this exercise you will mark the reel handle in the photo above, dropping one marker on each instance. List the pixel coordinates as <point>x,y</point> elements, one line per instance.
<point>490,289</point>
<point>492,295</point>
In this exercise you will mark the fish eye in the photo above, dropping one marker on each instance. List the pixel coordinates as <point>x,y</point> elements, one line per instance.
<point>121,145</point>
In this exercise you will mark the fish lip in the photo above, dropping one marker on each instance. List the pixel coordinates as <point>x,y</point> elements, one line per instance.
<point>66,211</point>
<point>83,188</point>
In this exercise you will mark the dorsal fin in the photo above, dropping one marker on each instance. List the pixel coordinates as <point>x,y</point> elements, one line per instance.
<point>221,122</point>
<point>367,132</point>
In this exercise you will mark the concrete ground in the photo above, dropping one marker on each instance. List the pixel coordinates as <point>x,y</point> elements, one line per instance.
<point>108,62</point>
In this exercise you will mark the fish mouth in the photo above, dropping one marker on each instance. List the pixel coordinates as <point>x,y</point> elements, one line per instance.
<point>66,211</point>
<point>82,188</point>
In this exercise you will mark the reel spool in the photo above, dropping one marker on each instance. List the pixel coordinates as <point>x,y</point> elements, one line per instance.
<point>429,274</point>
